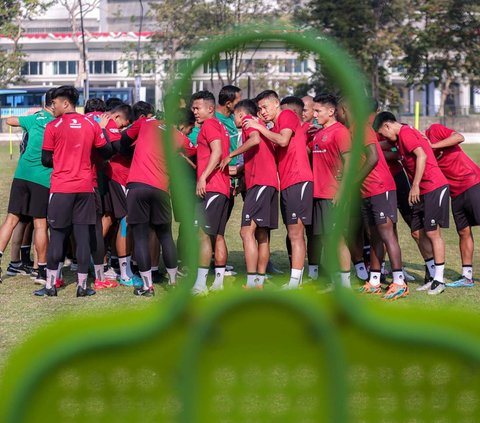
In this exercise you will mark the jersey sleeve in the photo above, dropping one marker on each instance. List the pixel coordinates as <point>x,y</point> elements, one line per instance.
<point>370,137</point>
<point>49,137</point>
<point>287,120</point>
<point>26,122</point>
<point>409,139</point>
<point>113,131</point>
<point>133,130</point>
<point>247,132</point>
<point>99,140</point>
<point>211,131</point>
<point>344,140</point>
<point>438,132</point>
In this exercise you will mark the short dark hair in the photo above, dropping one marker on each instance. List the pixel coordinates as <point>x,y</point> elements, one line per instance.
<point>48,97</point>
<point>142,108</point>
<point>67,91</point>
<point>125,110</point>
<point>203,95</point>
<point>249,106</point>
<point>326,98</point>
<point>266,94</point>
<point>185,117</point>
<point>381,118</point>
<point>112,102</point>
<point>291,99</point>
<point>94,105</point>
<point>228,93</point>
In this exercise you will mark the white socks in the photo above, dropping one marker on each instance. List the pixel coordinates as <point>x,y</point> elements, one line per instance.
<point>219,276</point>
<point>125,267</point>
<point>313,271</point>
<point>361,270</point>
<point>374,277</point>
<point>201,282</point>
<point>147,279</point>
<point>439,269</point>
<point>59,271</point>
<point>467,271</point>
<point>398,277</point>
<point>172,276</point>
<point>82,279</point>
<point>99,272</point>
<point>345,279</point>
<point>295,278</point>
<point>51,278</point>
<point>430,265</point>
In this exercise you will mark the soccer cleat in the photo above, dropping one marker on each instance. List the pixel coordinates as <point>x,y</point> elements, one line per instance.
<point>461,283</point>
<point>34,273</point>
<point>368,288</point>
<point>85,292</point>
<point>110,273</point>
<point>41,278</point>
<point>45,292</point>
<point>396,291</point>
<point>199,292</point>
<point>408,276</point>
<point>149,292</point>
<point>216,288</point>
<point>18,270</point>
<point>59,283</point>
<point>73,266</point>
<point>426,286</point>
<point>288,287</point>
<point>250,288</point>
<point>107,283</point>
<point>436,288</point>
<point>273,270</point>
<point>157,277</point>
<point>229,270</point>
<point>133,281</point>
<point>182,272</point>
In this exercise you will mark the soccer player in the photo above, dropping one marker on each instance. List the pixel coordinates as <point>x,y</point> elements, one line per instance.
<point>294,173</point>
<point>30,186</point>
<point>379,211</point>
<point>213,188</point>
<point>463,176</point>
<point>67,147</point>
<point>260,208</point>
<point>148,198</point>
<point>330,156</point>
<point>429,192</point>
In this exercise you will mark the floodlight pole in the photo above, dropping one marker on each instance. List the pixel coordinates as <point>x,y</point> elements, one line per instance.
<point>138,70</point>
<point>86,87</point>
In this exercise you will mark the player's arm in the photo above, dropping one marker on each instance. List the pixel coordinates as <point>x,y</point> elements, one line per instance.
<point>252,141</point>
<point>341,189</point>
<point>104,119</point>
<point>47,158</point>
<point>371,160</point>
<point>48,146</point>
<point>102,144</point>
<point>450,141</point>
<point>13,121</point>
<point>420,162</point>
<point>282,139</point>
<point>215,157</point>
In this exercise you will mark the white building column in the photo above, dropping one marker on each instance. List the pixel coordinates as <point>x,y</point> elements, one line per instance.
<point>464,98</point>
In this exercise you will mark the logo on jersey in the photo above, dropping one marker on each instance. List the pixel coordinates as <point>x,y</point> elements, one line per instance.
<point>294,215</point>
<point>75,124</point>
<point>325,138</point>
<point>433,222</point>
<point>247,217</point>
<point>382,215</point>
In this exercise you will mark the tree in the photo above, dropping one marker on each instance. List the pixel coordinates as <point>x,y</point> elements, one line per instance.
<point>367,29</point>
<point>12,13</point>
<point>442,44</point>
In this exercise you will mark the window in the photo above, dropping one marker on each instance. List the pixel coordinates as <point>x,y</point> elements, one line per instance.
<point>32,68</point>
<point>102,66</point>
<point>65,67</point>
<point>293,66</point>
<point>146,67</point>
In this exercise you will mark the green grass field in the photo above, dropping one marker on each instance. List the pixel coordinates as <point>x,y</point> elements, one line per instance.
<point>22,313</point>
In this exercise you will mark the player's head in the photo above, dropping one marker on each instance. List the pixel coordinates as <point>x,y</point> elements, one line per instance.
<point>324,108</point>
<point>343,112</point>
<point>307,114</point>
<point>64,99</point>
<point>244,108</point>
<point>293,103</point>
<point>122,115</point>
<point>268,105</point>
<point>142,109</point>
<point>386,124</point>
<point>112,102</point>
<point>229,96</point>
<point>185,120</point>
<point>203,105</point>
<point>94,105</point>
<point>48,100</point>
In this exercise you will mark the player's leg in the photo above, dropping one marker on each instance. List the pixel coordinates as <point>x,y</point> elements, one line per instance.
<point>26,247</point>
<point>169,251</point>
<point>124,252</point>
<point>15,266</point>
<point>296,234</point>
<point>250,250</point>
<point>263,242</point>
<point>97,246</point>
<point>141,236</point>
<point>205,256</point>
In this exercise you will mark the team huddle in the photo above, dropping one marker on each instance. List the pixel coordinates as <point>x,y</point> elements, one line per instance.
<point>96,186</point>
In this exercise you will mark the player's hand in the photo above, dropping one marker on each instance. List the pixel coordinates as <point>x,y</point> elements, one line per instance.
<point>224,163</point>
<point>414,195</point>
<point>201,187</point>
<point>104,118</point>
<point>312,131</point>
<point>251,123</point>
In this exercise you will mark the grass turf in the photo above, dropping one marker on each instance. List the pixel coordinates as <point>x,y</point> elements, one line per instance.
<point>22,313</point>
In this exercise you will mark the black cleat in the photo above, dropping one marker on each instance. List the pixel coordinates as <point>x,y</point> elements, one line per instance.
<point>46,292</point>
<point>157,277</point>
<point>85,292</point>
<point>21,269</point>
<point>149,292</point>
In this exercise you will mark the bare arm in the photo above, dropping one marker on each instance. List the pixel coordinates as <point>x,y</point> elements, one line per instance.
<point>341,188</point>
<point>215,157</point>
<point>451,141</point>
<point>282,138</point>
<point>370,162</point>
<point>13,121</point>
<point>421,160</point>
<point>253,140</point>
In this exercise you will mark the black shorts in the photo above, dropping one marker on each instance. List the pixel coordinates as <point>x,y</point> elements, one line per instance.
<point>261,206</point>
<point>114,200</point>
<point>147,204</point>
<point>466,208</point>
<point>403,190</point>
<point>296,202</point>
<point>65,209</point>
<point>322,216</point>
<point>432,210</point>
<point>212,213</point>
<point>98,202</point>
<point>376,209</point>
<point>28,199</point>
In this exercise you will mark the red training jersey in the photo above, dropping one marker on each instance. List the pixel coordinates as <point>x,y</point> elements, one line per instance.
<point>460,170</point>
<point>328,146</point>
<point>380,179</point>
<point>259,161</point>
<point>212,130</point>
<point>72,137</point>
<point>408,140</point>
<point>292,160</point>
<point>119,166</point>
